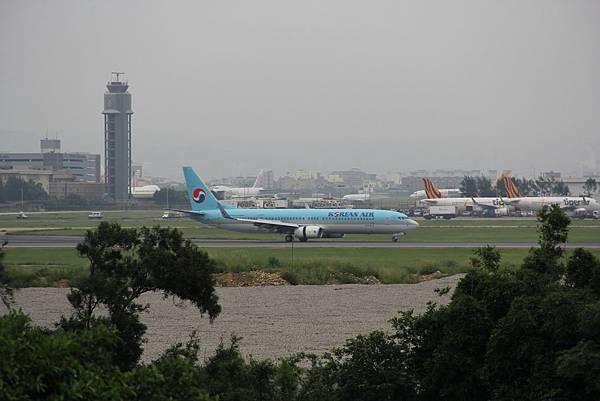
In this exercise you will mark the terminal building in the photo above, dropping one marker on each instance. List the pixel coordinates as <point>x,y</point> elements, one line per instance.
<point>83,166</point>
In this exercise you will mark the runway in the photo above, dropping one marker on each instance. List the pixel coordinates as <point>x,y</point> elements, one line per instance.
<point>51,241</point>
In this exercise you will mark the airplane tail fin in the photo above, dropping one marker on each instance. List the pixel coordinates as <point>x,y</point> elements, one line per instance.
<point>258,183</point>
<point>201,199</point>
<point>511,189</point>
<point>431,190</point>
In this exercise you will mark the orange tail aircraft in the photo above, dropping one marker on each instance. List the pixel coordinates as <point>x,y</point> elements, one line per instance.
<point>430,189</point>
<point>511,189</point>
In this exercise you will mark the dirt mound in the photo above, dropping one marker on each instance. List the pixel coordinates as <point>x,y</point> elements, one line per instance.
<point>258,278</point>
<point>428,277</point>
<point>249,279</point>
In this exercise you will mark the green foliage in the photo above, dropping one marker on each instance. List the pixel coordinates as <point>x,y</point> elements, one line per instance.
<point>530,334</point>
<point>590,186</point>
<point>274,262</point>
<point>39,364</point>
<point>10,190</point>
<point>468,186</point>
<point>488,257</point>
<point>74,202</point>
<point>175,197</point>
<point>583,271</point>
<point>553,229</point>
<point>290,277</point>
<point>6,292</point>
<point>477,186</point>
<point>428,269</point>
<point>126,263</point>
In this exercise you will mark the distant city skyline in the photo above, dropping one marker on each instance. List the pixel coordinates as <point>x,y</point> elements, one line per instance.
<point>383,86</point>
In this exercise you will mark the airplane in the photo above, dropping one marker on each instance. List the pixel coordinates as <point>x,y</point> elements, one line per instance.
<point>434,198</point>
<point>445,193</point>
<point>580,205</point>
<point>146,191</point>
<point>357,197</point>
<point>302,224</point>
<point>360,197</point>
<point>242,192</point>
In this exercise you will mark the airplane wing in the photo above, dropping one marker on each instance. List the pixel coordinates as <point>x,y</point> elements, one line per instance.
<point>486,206</point>
<point>430,201</point>
<point>272,225</point>
<point>190,212</point>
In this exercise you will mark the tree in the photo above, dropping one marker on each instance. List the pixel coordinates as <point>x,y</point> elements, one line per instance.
<point>583,271</point>
<point>487,257</point>
<point>484,187</point>
<point>175,197</point>
<point>590,186</point>
<point>553,229</point>
<point>11,190</point>
<point>6,292</point>
<point>468,186</point>
<point>526,187</point>
<point>543,186</point>
<point>39,364</point>
<point>560,188</point>
<point>126,263</point>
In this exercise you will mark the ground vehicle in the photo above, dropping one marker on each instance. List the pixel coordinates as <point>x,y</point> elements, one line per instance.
<point>22,216</point>
<point>95,215</point>
<point>446,212</point>
<point>596,214</point>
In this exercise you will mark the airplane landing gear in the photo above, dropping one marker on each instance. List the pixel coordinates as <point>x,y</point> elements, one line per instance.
<point>289,238</point>
<point>396,237</point>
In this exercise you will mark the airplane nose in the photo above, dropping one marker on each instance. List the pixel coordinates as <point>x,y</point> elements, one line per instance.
<point>412,223</point>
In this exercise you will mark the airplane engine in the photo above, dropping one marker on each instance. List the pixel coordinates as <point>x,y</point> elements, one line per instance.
<point>306,232</point>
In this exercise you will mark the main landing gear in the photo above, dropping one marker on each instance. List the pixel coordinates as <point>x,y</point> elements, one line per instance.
<point>397,236</point>
<point>290,238</point>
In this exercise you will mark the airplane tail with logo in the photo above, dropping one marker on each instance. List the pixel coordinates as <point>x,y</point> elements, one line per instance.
<point>258,183</point>
<point>431,190</point>
<point>201,199</point>
<point>511,189</point>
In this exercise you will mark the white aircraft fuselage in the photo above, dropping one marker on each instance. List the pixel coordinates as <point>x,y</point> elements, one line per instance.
<point>537,203</point>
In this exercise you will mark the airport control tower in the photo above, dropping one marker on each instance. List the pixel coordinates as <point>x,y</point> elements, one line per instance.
<point>117,138</point>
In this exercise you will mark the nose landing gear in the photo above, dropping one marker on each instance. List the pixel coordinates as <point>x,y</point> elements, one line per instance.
<point>396,237</point>
<point>289,238</point>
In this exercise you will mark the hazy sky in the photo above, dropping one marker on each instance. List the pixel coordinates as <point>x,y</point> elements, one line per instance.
<point>231,87</point>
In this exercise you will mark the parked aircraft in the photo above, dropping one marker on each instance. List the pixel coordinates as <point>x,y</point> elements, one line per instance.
<point>241,192</point>
<point>445,193</point>
<point>577,204</point>
<point>434,198</point>
<point>292,223</point>
<point>146,191</point>
<point>360,197</point>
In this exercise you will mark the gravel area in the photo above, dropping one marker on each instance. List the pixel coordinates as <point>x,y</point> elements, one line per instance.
<point>272,321</point>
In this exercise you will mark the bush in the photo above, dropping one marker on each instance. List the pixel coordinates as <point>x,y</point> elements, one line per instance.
<point>290,277</point>
<point>274,262</point>
<point>428,269</point>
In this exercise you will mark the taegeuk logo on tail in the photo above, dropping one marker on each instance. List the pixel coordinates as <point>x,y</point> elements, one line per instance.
<point>199,195</point>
